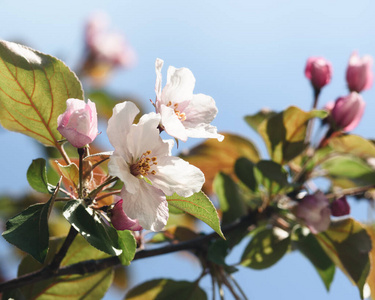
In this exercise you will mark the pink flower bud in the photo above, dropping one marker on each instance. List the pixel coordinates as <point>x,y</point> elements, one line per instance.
<point>79,123</point>
<point>121,221</point>
<point>359,74</point>
<point>340,207</point>
<point>319,71</point>
<point>314,211</point>
<point>348,111</point>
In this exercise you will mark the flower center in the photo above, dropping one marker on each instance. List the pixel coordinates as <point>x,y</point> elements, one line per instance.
<point>181,115</point>
<point>143,165</point>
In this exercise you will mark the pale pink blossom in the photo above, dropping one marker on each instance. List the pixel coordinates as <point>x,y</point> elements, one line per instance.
<point>184,114</point>
<point>314,211</point>
<point>121,221</point>
<point>106,45</point>
<point>143,161</point>
<point>340,207</point>
<point>319,71</point>
<point>79,123</point>
<point>348,111</point>
<point>359,74</point>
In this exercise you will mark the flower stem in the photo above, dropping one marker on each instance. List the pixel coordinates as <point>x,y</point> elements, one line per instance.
<point>100,187</point>
<point>310,125</point>
<point>81,152</point>
<point>65,156</point>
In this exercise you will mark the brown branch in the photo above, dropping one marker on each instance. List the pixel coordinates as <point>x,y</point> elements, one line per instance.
<point>91,266</point>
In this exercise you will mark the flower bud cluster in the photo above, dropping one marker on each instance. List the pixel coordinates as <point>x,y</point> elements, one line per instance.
<point>347,111</point>
<point>315,211</point>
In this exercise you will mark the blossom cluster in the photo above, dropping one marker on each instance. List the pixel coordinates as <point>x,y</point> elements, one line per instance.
<point>344,115</point>
<point>347,111</point>
<point>142,160</point>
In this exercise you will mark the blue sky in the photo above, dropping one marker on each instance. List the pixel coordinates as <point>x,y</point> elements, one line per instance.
<point>245,54</point>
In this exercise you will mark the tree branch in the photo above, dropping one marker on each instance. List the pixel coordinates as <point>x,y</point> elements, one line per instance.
<point>91,266</point>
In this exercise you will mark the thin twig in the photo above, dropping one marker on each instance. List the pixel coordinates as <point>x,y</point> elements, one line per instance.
<point>90,266</point>
<point>55,264</point>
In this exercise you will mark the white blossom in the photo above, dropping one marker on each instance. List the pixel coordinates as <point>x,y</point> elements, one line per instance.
<point>143,161</point>
<point>184,114</point>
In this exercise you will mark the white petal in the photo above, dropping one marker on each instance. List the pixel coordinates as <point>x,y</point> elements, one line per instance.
<point>204,131</point>
<point>145,136</point>
<point>179,87</point>
<point>171,123</point>
<point>199,114</point>
<point>119,125</point>
<point>174,175</point>
<point>202,109</point>
<point>158,66</point>
<point>117,166</point>
<point>148,205</point>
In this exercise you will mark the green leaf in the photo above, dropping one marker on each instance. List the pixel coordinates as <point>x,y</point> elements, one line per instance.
<point>29,230</point>
<point>259,117</point>
<point>266,248</point>
<point>284,133</point>
<point>212,156</point>
<point>128,245</point>
<point>89,225</point>
<point>310,247</point>
<point>230,201</point>
<point>348,245</point>
<point>70,172</point>
<point>33,92</point>
<point>37,176</point>
<point>244,169</point>
<point>353,144</point>
<point>166,289</point>
<point>90,286</point>
<point>174,210</point>
<point>271,176</point>
<point>351,168</point>
<point>199,206</point>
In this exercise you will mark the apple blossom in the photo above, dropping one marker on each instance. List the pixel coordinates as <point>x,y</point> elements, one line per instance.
<point>359,74</point>
<point>184,114</point>
<point>79,123</point>
<point>319,71</point>
<point>143,161</point>
<point>121,221</point>
<point>105,45</point>
<point>348,111</point>
<point>340,207</point>
<point>314,211</point>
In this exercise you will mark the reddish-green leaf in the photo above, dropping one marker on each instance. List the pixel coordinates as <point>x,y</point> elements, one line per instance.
<point>212,156</point>
<point>231,203</point>
<point>74,287</point>
<point>34,88</point>
<point>259,117</point>
<point>349,168</point>
<point>348,245</point>
<point>310,247</point>
<point>199,206</point>
<point>266,248</point>
<point>284,133</point>
<point>353,144</point>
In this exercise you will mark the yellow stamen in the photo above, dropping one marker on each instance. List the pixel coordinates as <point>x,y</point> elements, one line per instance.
<point>143,166</point>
